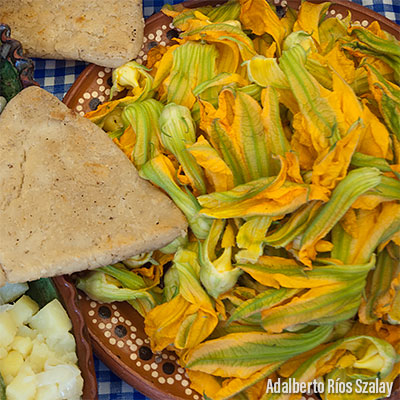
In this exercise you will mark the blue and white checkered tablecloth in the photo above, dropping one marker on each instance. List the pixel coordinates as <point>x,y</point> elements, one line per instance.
<point>57,76</point>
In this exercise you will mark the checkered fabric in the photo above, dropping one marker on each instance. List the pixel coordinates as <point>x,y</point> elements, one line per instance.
<point>57,76</point>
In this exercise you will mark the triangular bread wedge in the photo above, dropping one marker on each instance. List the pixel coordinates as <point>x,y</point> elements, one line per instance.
<point>104,32</point>
<point>70,200</point>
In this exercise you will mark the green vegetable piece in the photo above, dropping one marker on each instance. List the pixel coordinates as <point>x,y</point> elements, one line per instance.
<point>315,108</point>
<point>10,83</point>
<point>264,300</point>
<point>178,131</point>
<point>343,196</point>
<point>217,274</point>
<point>364,160</point>
<point>2,389</point>
<point>157,171</point>
<point>143,117</point>
<point>241,354</point>
<point>295,225</point>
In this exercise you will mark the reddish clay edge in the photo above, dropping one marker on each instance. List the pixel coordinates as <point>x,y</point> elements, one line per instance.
<point>69,297</point>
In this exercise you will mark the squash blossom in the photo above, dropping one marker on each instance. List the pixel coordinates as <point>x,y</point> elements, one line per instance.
<point>277,133</point>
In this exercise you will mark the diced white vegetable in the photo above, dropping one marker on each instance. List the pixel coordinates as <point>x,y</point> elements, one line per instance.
<point>61,344</point>
<point>8,328</point>
<point>48,392</point>
<point>51,320</point>
<point>23,386</point>
<point>25,331</point>
<point>3,352</point>
<point>11,291</point>
<point>68,377</point>
<point>40,354</point>
<point>10,365</point>
<point>23,345</point>
<point>23,309</point>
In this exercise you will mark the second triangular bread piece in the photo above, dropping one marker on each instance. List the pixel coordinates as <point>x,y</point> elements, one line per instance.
<point>69,198</point>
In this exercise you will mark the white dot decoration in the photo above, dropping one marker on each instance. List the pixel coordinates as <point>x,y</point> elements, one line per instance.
<point>114,307</point>
<point>154,365</point>
<point>117,314</point>
<point>146,367</point>
<point>133,347</point>
<point>196,397</point>
<point>101,74</point>
<point>102,98</point>
<point>120,344</point>
<point>91,312</point>
<point>284,3</point>
<point>164,27</point>
<point>171,25</point>
<point>163,43</point>
<point>147,341</point>
<point>181,370</point>
<point>102,325</point>
<point>129,323</point>
<point>154,374</point>
<point>178,377</point>
<point>92,303</point>
<point>158,32</point>
<point>139,342</point>
<point>138,364</point>
<point>121,319</point>
<point>141,53</point>
<point>95,94</point>
<point>86,96</point>
<point>81,101</point>
<point>339,16</point>
<point>276,1</point>
<point>151,36</point>
<point>114,320</point>
<point>102,88</point>
<point>107,92</point>
<point>94,321</point>
<point>112,341</point>
<point>172,358</point>
<point>188,391</point>
<point>109,325</point>
<point>364,23</point>
<point>133,356</point>
<point>161,380</point>
<point>170,381</point>
<point>145,39</point>
<point>333,12</point>
<point>133,336</point>
<point>107,70</point>
<point>185,383</point>
<point>107,334</point>
<point>81,113</point>
<point>79,296</point>
<point>145,57</point>
<point>99,81</point>
<point>164,356</point>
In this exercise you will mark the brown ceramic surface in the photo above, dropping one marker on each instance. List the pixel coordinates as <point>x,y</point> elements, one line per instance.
<point>117,330</point>
<point>69,298</point>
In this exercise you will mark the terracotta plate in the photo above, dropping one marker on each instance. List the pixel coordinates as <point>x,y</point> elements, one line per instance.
<point>16,73</point>
<point>116,330</point>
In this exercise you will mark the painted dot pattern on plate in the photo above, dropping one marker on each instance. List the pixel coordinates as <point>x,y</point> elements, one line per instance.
<point>119,330</point>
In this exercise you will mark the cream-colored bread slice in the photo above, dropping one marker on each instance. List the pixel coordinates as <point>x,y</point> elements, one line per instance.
<point>70,200</point>
<point>104,32</point>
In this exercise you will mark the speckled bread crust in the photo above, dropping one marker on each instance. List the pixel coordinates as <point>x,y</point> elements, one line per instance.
<point>103,32</point>
<point>70,200</point>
